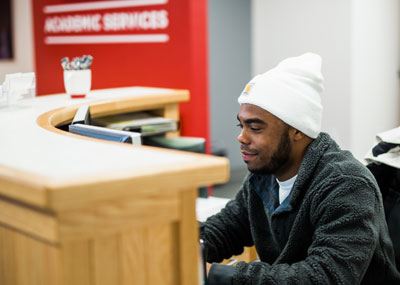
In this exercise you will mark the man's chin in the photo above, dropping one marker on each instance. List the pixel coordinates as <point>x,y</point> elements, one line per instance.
<point>254,170</point>
<point>258,170</point>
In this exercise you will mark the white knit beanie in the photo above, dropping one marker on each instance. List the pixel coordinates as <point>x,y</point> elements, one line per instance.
<point>290,91</point>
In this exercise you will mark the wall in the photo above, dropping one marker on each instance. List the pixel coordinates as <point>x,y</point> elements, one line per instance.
<point>375,63</point>
<point>358,41</point>
<point>23,40</point>
<point>230,70</point>
<point>289,28</point>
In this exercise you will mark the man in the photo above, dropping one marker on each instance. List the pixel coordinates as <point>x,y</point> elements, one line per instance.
<point>313,212</point>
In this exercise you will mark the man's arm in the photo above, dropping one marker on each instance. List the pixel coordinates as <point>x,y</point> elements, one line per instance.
<point>346,228</point>
<point>226,233</point>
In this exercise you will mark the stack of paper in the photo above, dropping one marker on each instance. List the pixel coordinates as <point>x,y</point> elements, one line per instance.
<point>141,122</point>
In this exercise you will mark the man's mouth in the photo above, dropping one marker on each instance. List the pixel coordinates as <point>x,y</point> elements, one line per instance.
<point>247,155</point>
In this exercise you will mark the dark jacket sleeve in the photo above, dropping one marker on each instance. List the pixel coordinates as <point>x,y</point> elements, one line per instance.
<point>228,232</point>
<point>346,223</point>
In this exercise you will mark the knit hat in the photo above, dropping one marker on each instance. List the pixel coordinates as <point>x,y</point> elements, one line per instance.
<point>290,91</point>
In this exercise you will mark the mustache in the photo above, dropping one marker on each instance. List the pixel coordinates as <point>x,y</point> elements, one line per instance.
<point>245,149</point>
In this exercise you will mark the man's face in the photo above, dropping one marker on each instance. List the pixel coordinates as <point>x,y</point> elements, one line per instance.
<point>264,141</point>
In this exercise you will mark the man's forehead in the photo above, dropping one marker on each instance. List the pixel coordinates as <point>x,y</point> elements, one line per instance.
<point>249,111</point>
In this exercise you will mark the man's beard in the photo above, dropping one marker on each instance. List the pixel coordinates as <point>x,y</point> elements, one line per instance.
<point>278,158</point>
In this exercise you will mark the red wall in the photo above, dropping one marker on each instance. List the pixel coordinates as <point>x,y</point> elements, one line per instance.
<point>171,52</point>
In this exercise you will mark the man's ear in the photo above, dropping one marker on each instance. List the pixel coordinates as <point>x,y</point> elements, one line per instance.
<point>297,135</point>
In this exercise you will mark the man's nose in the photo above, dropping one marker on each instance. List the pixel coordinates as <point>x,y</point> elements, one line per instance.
<point>243,138</point>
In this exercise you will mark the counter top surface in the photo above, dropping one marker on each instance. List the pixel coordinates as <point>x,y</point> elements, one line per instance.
<point>24,143</point>
<point>51,160</point>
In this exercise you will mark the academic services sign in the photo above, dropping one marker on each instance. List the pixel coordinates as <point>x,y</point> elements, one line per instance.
<point>65,23</point>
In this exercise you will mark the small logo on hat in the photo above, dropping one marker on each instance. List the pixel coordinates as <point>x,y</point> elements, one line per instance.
<point>248,88</point>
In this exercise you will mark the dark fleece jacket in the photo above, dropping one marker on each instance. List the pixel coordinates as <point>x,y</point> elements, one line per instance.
<point>332,232</point>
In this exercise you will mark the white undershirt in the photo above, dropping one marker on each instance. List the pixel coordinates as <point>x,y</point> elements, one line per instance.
<point>285,187</point>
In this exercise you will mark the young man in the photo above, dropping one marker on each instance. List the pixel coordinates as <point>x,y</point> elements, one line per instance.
<point>313,212</point>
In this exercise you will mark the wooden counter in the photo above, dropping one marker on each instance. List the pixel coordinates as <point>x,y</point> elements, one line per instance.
<point>85,211</point>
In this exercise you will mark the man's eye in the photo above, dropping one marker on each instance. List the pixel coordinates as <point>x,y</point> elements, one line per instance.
<point>254,127</point>
<point>239,125</point>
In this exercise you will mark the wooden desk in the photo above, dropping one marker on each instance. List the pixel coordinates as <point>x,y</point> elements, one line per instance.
<point>84,211</point>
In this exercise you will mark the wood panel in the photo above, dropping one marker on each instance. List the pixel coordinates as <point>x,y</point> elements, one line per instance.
<point>162,256</point>
<point>114,216</point>
<point>141,256</point>
<point>76,261</point>
<point>146,255</point>
<point>25,260</point>
<point>106,260</point>
<point>7,258</point>
<point>149,255</point>
<point>26,187</point>
<point>142,249</point>
<point>29,220</point>
<point>188,238</point>
<point>133,257</point>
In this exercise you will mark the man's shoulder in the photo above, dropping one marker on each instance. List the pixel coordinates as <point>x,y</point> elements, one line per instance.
<point>342,163</point>
<point>331,163</point>
<point>329,157</point>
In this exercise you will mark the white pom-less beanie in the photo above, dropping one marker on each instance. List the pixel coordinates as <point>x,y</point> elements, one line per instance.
<point>291,91</point>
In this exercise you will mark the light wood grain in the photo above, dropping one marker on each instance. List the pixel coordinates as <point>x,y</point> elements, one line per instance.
<point>114,216</point>
<point>7,258</point>
<point>28,220</point>
<point>188,238</point>
<point>161,258</point>
<point>149,255</point>
<point>24,260</point>
<point>106,260</point>
<point>133,256</point>
<point>27,187</point>
<point>77,263</point>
